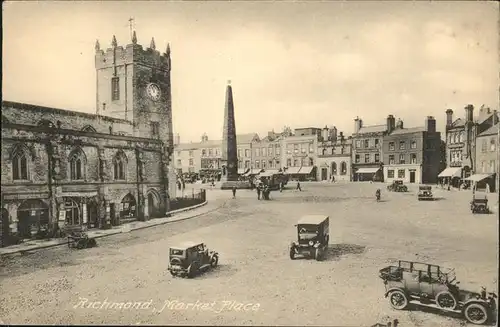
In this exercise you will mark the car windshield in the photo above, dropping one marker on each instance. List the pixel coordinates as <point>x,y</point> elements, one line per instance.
<point>176,252</point>
<point>307,232</point>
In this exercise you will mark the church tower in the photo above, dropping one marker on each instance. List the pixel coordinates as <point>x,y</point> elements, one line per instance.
<point>133,83</point>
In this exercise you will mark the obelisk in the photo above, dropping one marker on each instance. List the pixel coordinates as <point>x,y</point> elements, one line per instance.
<point>229,158</point>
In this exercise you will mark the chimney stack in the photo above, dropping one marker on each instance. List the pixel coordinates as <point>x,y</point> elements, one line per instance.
<point>391,123</point>
<point>325,133</point>
<point>469,113</point>
<point>430,124</point>
<point>358,123</point>
<point>333,133</point>
<point>449,117</point>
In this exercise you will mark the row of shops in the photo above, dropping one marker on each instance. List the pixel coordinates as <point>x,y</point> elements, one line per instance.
<point>459,177</point>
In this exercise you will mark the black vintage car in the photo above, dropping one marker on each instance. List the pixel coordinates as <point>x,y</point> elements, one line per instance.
<point>312,237</point>
<point>433,286</point>
<point>190,258</point>
<point>397,186</point>
<point>479,203</point>
<point>425,193</point>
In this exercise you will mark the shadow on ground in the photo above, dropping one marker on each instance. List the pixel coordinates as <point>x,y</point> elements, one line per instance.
<point>219,271</point>
<point>335,251</point>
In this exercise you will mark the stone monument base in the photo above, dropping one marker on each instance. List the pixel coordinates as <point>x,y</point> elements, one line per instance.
<point>240,185</point>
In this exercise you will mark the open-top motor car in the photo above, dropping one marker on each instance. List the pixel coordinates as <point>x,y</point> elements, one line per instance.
<point>190,258</point>
<point>430,285</point>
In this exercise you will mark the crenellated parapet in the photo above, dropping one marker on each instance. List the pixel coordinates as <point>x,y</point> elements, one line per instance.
<point>132,53</point>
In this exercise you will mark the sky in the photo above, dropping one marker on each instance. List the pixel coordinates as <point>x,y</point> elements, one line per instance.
<point>300,64</point>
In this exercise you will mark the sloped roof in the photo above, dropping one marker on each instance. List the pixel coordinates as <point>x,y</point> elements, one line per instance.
<point>493,130</point>
<point>247,138</point>
<point>458,122</point>
<point>372,129</point>
<point>408,130</point>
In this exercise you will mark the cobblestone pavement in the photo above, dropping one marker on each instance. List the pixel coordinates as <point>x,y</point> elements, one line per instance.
<point>252,238</point>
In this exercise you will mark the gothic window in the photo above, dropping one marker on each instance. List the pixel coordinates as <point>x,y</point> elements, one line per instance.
<point>155,128</point>
<point>120,166</point>
<point>19,164</point>
<point>343,168</point>
<point>455,138</point>
<point>77,165</point>
<point>115,88</point>
<point>89,128</point>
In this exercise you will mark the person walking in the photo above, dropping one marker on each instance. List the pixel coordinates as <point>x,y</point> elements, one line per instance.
<point>234,192</point>
<point>298,186</point>
<point>281,187</point>
<point>258,192</point>
<point>333,179</point>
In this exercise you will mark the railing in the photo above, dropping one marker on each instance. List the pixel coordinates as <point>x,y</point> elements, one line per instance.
<point>188,200</point>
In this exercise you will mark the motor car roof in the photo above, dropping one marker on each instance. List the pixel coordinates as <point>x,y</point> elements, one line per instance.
<point>312,219</point>
<point>186,245</point>
<point>425,187</point>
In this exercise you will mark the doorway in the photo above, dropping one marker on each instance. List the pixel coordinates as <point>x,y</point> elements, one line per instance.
<point>4,228</point>
<point>31,215</point>
<point>412,176</point>
<point>324,174</point>
<point>92,210</point>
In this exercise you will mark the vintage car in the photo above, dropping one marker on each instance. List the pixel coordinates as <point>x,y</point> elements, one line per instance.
<point>312,237</point>
<point>397,186</point>
<point>190,258</point>
<point>479,203</point>
<point>433,286</point>
<point>425,193</point>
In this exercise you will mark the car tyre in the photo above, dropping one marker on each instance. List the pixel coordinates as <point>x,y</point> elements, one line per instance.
<point>292,253</point>
<point>446,300</point>
<point>476,314</point>
<point>317,254</point>
<point>173,273</point>
<point>214,261</point>
<point>192,269</point>
<point>398,300</point>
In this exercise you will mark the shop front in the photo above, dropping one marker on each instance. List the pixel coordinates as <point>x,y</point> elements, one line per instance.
<point>79,208</point>
<point>450,176</point>
<point>485,182</point>
<point>369,174</point>
<point>32,215</point>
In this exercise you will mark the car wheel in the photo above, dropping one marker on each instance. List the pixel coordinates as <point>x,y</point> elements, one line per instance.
<point>80,245</point>
<point>173,273</point>
<point>214,261</point>
<point>317,254</point>
<point>292,253</point>
<point>192,269</point>
<point>398,300</point>
<point>476,313</point>
<point>445,300</point>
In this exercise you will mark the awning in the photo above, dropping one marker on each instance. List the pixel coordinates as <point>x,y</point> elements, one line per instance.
<point>292,170</point>
<point>477,177</point>
<point>241,171</point>
<point>367,170</point>
<point>451,172</point>
<point>269,173</point>
<point>253,172</point>
<point>306,170</point>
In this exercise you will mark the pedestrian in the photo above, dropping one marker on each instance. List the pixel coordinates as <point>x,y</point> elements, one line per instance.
<point>281,187</point>
<point>183,185</point>
<point>333,179</point>
<point>298,186</point>
<point>258,192</point>
<point>234,192</point>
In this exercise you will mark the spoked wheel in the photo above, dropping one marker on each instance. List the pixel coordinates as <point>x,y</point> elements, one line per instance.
<point>173,273</point>
<point>445,300</point>
<point>398,300</point>
<point>214,261</point>
<point>476,314</point>
<point>292,253</point>
<point>318,254</point>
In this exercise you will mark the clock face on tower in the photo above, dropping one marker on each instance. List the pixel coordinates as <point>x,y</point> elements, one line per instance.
<point>153,91</point>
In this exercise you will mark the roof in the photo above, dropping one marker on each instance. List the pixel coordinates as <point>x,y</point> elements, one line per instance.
<point>458,122</point>
<point>408,130</point>
<point>493,130</point>
<point>312,219</point>
<point>240,138</point>
<point>186,244</point>
<point>372,129</point>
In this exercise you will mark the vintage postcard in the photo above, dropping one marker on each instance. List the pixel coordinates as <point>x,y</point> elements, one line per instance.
<point>227,163</point>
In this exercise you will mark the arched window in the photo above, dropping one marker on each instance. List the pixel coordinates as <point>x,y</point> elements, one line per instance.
<point>20,167</point>
<point>334,168</point>
<point>324,152</point>
<point>455,138</point>
<point>77,163</point>
<point>311,162</point>
<point>343,168</point>
<point>333,150</point>
<point>119,165</point>
<point>89,128</point>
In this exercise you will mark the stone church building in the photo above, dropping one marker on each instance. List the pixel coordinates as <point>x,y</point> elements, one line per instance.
<point>62,167</point>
